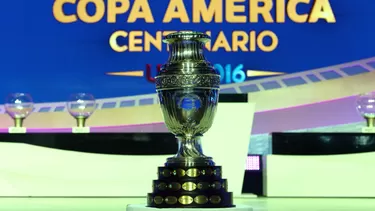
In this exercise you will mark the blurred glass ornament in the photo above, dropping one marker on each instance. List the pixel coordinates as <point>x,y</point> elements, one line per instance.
<point>366,107</point>
<point>19,106</point>
<point>81,106</point>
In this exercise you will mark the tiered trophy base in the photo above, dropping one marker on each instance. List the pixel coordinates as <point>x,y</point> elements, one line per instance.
<point>190,187</point>
<point>142,207</point>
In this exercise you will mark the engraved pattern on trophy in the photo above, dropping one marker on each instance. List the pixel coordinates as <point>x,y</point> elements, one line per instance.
<point>188,91</point>
<point>176,81</point>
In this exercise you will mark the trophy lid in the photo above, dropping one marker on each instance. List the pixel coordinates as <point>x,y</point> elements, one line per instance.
<point>186,36</point>
<point>186,54</point>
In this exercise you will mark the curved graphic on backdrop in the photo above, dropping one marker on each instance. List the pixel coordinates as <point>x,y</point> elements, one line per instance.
<point>317,85</point>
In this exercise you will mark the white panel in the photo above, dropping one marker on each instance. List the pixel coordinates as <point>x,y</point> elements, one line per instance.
<point>349,175</point>
<point>27,170</point>
<point>228,141</point>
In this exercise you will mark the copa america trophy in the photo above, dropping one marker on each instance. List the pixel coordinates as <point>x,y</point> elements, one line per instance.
<point>188,90</point>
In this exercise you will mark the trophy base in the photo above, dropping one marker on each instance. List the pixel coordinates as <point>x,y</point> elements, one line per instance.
<point>190,187</point>
<point>142,207</point>
<point>17,130</point>
<point>81,130</point>
<point>368,130</point>
<point>189,162</point>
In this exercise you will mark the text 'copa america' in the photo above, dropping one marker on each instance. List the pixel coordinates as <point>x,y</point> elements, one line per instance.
<point>202,11</point>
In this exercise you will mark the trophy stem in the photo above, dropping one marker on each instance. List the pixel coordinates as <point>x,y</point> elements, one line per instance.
<point>190,153</point>
<point>370,121</point>
<point>189,147</point>
<point>18,122</point>
<point>81,121</point>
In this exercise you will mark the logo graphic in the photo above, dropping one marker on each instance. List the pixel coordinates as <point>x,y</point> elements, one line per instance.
<point>229,73</point>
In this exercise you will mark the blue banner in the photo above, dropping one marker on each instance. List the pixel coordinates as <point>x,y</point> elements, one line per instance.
<point>112,48</point>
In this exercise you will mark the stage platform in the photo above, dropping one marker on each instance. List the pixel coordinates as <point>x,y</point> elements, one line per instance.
<point>119,204</point>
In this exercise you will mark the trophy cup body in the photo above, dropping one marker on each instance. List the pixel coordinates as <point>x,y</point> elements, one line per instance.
<point>188,90</point>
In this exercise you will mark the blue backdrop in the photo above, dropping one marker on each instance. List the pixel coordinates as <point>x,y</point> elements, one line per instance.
<point>51,60</point>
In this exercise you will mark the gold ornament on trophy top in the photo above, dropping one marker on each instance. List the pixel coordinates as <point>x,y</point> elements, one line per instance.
<point>366,107</point>
<point>18,106</point>
<point>188,90</point>
<point>81,106</point>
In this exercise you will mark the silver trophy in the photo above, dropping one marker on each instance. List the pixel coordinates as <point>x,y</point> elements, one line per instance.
<point>19,106</point>
<point>81,106</point>
<point>188,90</point>
<point>365,105</point>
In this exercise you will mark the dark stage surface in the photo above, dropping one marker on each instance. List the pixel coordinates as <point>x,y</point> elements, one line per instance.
<point>102,143</point>
<point>322,143</point>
